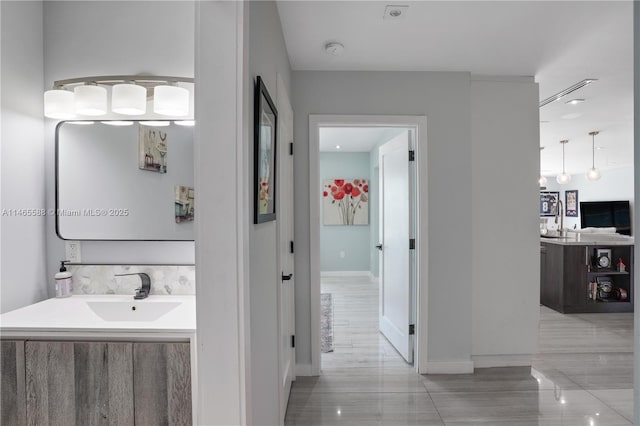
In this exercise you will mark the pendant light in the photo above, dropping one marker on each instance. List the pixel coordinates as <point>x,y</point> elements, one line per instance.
<point>542,181</point>
<point>563,178</point>
<point>593,173</point>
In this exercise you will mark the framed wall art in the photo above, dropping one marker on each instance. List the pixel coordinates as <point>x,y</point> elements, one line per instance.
<point>265,137</point>
<point>571,203</point>
<point>549,203</point>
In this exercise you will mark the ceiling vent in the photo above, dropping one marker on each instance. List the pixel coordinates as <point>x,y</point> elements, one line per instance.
<point>395,12</point>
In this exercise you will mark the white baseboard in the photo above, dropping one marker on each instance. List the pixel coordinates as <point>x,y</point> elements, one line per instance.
<point>488,361</point>
<point>304,370</point>
<point>328,274</point>
<point>449,367</point>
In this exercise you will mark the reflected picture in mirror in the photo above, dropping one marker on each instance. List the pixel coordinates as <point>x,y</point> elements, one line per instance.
<point>102,193</point>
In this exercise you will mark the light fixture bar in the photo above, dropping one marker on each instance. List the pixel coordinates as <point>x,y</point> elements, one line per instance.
<point>566,91</point>
<point>110,80</point>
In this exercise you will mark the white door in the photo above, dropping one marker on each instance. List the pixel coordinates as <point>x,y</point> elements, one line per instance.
<point>286,297</point>
<point>395,256</point>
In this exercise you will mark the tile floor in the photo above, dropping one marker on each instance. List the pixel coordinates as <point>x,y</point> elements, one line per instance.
<point>582,375</point>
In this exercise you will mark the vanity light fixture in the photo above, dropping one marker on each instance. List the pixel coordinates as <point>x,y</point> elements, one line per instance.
<point>128,99</point>
<point>542,181</point>
<point>563,178</point>
<point>90,99</point>
<point>155,123</point>
<point>593,173</point>
<point>87,96</point>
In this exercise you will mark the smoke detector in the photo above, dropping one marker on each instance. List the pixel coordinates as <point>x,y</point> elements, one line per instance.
<point>334,48</point>
<point>395,12</point>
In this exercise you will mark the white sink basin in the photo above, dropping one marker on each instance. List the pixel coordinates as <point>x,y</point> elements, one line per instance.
<point>135,310</point>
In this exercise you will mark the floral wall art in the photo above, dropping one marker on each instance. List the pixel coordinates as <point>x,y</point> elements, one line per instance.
<point>345,202</point>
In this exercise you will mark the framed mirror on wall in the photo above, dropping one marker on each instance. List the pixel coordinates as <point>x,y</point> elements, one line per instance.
<point>124,182</point>
<point>264,171</point>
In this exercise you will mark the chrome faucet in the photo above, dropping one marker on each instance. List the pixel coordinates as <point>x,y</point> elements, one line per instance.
<point>559,210</point>
<point>143,291</point>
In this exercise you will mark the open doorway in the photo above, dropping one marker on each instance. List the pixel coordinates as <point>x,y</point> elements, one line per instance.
<point>365,277</point>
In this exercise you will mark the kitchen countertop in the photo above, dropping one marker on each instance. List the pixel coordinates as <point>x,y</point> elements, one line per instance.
<point>589,239</point>
<point>73,316</point>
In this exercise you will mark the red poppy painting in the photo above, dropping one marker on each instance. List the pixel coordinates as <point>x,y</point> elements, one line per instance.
<point>345,202</point>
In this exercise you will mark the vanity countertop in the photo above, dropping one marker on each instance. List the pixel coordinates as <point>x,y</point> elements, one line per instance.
<point>590,239</point>
<point>98,316</point>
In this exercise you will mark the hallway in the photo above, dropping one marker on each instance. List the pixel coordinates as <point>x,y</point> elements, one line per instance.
<point>582,375</point>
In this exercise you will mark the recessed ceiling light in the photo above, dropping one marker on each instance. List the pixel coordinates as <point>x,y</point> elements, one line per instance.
<point>575,101</point>
<point>334,48</point>
<point>571,116</point>
<point>395,11</point>
<point>337,146</point>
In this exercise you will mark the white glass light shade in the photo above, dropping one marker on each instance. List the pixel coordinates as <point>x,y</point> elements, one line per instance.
<point>171,100</point>
<point>118,123</point>
<point>128,99</point>
<point>155,123</point>
<point>90,100</point>
<point>59,104</point>
<point>542,181</point>
<point>593,174</point>
<point>563,178</point>
<point>187,123</point>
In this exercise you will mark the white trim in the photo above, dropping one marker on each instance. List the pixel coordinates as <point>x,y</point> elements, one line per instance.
<point>412,121</point>
<point>304,370</point>
<point>449,367</point>
<point>487,361</point>
<point>367,274</point>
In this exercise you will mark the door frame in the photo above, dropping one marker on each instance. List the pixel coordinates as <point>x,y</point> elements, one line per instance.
<point>419,124</point>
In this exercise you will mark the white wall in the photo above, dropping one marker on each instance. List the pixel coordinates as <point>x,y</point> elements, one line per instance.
<point>505,238</point>
<point>445,99</point>
<point>267,58</point>
<point>615,184</point>
<point>88,38</point>
<point>23,275</point>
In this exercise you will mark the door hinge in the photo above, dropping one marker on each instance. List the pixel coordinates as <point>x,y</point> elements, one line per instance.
<point>412,329</point>
<point>293,341</point>
<point>290,148</point>
<point>412,155</point>
<point>412,243</point>
<point>291,247</point>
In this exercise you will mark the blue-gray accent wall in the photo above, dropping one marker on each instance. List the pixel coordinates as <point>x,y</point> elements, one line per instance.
<point>352,241</point>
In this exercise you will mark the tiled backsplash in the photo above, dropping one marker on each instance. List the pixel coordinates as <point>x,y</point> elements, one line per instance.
<point>101,279</point>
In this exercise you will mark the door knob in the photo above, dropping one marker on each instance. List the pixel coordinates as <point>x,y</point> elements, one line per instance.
<point>379,247</point>
<point>286,277</point>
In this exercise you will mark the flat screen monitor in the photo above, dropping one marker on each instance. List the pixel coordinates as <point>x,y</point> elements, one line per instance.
<point>605,214</point>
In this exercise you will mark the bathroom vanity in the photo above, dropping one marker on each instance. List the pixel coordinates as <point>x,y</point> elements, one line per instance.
<point>103,359</point>
<point>572,279</point>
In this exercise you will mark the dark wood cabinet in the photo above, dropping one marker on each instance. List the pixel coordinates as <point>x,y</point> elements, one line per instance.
<point>567,270</point>
<point>96,383</point>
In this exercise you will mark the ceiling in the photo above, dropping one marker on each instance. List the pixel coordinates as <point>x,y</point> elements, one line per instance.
<point>355,139</point>
<point>560,43</point>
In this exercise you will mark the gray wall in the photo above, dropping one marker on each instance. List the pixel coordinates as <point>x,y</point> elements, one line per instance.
<point>23,276</point>
<point>616,184</point>
<point>353,241</point>
<point>267,58</point>
<point>445,99</point>
<point>505,235</point>
<point>108,38</point>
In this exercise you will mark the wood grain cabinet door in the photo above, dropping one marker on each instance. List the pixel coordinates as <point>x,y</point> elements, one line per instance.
<point>162,384</point>
<point>79,383</point>
<point>12,402</point>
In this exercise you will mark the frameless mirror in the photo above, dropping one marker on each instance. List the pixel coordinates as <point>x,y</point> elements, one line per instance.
<point>124,182</point>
